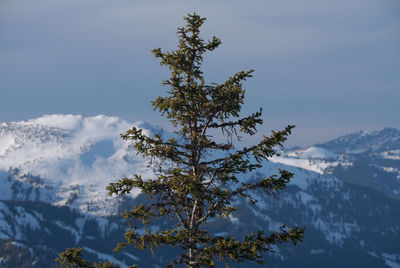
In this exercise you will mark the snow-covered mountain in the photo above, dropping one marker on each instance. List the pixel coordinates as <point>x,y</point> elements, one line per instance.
<point>54,170</point>
<point>369,159</point>
<point>66,160</point>
<point>377,141</point>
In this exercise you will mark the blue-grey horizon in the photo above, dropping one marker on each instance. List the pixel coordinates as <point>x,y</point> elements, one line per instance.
<point>330,68</point>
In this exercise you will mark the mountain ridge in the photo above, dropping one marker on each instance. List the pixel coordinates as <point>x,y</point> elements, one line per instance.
<point>58,193</point>
<point>365,141</point>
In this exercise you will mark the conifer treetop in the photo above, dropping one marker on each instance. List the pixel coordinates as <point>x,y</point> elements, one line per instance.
<point>192,185</point>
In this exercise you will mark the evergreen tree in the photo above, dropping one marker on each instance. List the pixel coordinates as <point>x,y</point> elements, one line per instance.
<point>191,183</point>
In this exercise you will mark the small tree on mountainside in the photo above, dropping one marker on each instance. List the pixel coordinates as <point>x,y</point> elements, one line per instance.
<point>190,184</point>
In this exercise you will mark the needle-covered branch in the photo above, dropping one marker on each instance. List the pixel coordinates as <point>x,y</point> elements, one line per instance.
<point>229,249</point>
<point>156,146</point>
<point>72,257</point>
<point>246,125</point>
<point>261,151</point>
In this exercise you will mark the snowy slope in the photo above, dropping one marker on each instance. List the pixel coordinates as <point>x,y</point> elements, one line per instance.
<point>369,159</point>
<point>66,159</point>
<point>312,158</point>
<point>313,152</point>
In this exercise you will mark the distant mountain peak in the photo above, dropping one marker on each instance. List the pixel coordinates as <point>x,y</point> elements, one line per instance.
<point>365,141</point>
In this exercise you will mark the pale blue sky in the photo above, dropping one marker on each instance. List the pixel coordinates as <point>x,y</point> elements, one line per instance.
<point>330,67</point>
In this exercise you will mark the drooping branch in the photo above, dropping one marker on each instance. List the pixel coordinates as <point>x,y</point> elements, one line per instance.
<point>262,150</point>
<point>157,147</point>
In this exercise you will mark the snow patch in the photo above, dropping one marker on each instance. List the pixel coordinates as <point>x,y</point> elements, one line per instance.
<point>26,219</point>
<point>221,234</point>
<point>392,154</point>
<point>70,229</point>
<point>392,260</point>
<point>394,170</point>
<point>307,164</point>
<point>80,223</point>
<point>317,251</point>
<point>105,257</point>
<point>131,256</point>
<point>233,219</point>
<point>336,231</point>
<point>313,152</point>
<point>5,229</point>
<point>305,197</point>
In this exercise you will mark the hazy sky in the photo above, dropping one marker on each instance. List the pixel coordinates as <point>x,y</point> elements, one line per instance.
<point>330,67</point>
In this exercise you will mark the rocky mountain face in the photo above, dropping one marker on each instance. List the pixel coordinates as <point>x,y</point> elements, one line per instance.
<point>54,170</point>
